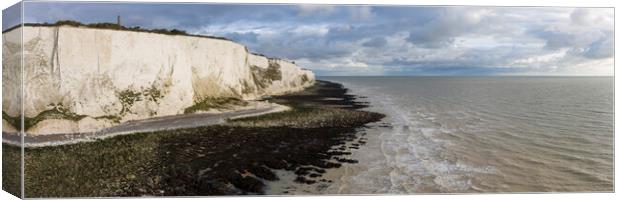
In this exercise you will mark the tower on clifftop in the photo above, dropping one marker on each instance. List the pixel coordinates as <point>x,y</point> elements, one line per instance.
<point>118,20</point>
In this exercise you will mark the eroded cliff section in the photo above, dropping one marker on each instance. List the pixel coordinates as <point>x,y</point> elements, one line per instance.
<point>80,79</point>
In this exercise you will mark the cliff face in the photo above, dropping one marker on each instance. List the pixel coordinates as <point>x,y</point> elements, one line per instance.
<point>77,73</point>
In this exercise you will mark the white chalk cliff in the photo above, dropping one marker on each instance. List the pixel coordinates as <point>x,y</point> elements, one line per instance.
<point>99,74</point>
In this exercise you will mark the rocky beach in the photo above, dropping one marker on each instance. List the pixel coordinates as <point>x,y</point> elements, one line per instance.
<point>237,157</point>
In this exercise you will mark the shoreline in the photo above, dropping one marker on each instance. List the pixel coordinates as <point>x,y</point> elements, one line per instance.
<point>164,123</point>
<point>241,156</point>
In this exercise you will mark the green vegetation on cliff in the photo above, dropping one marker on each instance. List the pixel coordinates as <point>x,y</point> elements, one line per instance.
<point>58,111</point>
<point>127,98</point>
<point>264,77</point>
<point>209,103</point>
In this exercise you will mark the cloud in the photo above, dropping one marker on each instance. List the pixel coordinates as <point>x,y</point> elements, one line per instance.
<point>602,48</point>
<point>361,13</point>
<point>375,42</point>
<point>249,37</point>
<point>588,34</point>
<point>385,40</point>
<point>580,16</point>
<point>450,23</point>
<point>309,9</point>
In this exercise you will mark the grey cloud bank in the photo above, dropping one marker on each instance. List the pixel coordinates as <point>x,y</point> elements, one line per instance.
<point>383,40</point>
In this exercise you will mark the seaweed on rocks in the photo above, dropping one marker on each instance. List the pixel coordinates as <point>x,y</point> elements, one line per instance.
<point>244,156</point>
<point>225,159</point>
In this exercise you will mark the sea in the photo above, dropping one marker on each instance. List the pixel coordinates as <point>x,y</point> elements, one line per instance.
<point>481,135</point>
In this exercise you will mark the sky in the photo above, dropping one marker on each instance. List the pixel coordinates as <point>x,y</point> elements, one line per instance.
<point>365,40</point>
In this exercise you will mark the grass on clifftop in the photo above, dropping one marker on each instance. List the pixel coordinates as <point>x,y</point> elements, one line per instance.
<point>113,26</point>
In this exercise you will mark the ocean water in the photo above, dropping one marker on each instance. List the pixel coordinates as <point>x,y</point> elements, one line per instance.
<point>482,134</point>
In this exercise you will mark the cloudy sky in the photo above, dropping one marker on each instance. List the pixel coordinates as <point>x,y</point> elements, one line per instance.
<point>384,40</point>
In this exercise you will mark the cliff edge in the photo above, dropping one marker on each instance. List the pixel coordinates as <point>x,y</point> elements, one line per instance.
<point>81,79</point>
